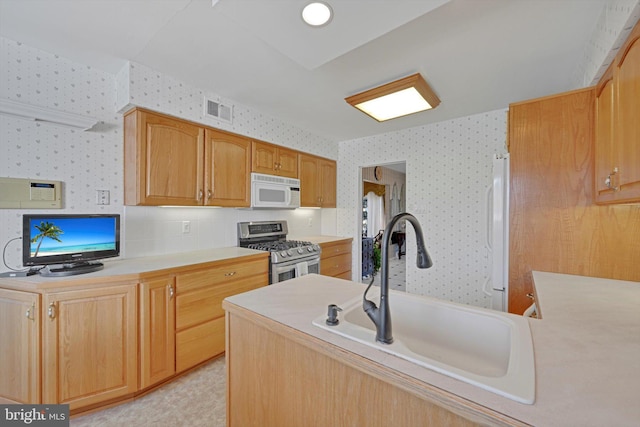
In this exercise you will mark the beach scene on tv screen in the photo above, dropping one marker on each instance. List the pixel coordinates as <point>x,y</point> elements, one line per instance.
<point>57,236</point>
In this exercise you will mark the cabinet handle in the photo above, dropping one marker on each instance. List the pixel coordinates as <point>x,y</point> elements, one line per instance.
<point>52,310</point>
<point>607,181</point>
<point>530,295</point>
<point>171,292</point>
<point>30,312</point>
<point>200,194</point>
<point>209,194</point>
<point>232,273</point>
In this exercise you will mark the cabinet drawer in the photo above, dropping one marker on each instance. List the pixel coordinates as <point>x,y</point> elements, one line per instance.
<point>335,265</point>
<point>224,273</point>
<point>197,344</point>
<point>333,249</point>
<point>205,304</point>
<point>346,275</point>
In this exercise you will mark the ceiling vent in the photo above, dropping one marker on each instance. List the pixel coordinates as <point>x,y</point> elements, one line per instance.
<point>217,110</point>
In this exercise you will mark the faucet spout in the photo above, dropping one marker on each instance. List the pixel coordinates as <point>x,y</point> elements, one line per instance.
<point>381,316</point>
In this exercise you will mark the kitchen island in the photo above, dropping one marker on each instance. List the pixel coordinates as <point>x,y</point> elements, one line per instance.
<point>586,345</point>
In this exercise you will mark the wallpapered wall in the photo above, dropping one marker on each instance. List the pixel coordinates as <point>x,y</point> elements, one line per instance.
<point>448,171</point>
<point>92,160</point>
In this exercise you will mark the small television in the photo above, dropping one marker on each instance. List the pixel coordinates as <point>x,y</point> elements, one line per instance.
<point>69,244</point>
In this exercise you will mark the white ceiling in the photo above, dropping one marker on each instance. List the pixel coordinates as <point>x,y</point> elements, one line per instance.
<point>478,55</point>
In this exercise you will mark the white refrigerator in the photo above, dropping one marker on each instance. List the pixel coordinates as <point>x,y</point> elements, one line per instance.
<point>497,286</point>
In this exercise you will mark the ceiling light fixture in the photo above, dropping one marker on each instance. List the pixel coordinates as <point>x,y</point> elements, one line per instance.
<point>399,98</point>
<point>317,14</point>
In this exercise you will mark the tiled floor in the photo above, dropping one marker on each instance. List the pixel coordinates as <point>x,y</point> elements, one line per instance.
<point>397,275</point>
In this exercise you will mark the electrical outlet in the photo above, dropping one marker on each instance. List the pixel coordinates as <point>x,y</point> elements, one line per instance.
<point>102,197</point>
<point>310,222</point>
<point>186,227</point>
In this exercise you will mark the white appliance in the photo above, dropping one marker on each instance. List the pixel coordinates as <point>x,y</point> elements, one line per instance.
<point>497,286</point>
<point>274,192</point>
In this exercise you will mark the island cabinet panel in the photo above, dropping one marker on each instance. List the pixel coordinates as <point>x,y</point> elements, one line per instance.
<point>199,313</point>
<point>90,352</point>
<point>157,330</point>
<point>335,259</point>
<point>20,347</point>
<point>307,382</point>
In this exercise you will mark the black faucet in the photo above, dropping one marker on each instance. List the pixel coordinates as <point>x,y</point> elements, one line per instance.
<point>381,317</point>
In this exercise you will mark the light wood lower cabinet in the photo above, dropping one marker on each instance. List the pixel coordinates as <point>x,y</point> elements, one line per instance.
<point>90,350</point>
<point>19,347</point>
<point>199,314</point>
<point>335,259</point>
<point>157,330</point>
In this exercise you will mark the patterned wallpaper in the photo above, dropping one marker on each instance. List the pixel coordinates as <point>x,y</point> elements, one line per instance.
<point>614,25</point>
<point>448,169</point>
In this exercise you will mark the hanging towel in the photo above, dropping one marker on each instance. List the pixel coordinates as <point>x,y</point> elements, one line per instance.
<point>302,269</point>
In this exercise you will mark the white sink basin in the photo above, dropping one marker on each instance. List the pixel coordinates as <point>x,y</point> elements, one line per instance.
<point>486,348</point>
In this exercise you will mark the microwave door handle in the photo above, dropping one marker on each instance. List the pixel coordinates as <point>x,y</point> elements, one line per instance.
<point>288,197</point>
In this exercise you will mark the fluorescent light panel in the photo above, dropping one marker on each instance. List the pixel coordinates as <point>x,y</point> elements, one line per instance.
<point>399,98</point>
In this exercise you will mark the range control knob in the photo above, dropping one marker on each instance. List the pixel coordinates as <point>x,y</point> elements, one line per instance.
<point>289,252</point>
<point>310,248</point>
<point>300,251</point>
<point>283,253</point>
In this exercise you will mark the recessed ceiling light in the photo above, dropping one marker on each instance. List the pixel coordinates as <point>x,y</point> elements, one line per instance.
<point>317,14</point>
<point>396,99</point>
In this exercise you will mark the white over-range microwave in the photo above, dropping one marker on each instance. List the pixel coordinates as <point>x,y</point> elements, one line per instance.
<point>274,192</point>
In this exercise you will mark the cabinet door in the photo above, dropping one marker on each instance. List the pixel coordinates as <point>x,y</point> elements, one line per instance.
<point>327,183</point>
<point>157,330</point>
<point>309,191</point>
<point>287,163</point>
<point>90,345</point>
<point>263,158</point>
<point>603,151</point>
<point>227,169</point>
<point>170,161</point>
<point>628,118</point>
<point>20,346</point>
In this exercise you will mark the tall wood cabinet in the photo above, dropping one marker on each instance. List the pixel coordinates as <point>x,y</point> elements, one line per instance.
<point>90,349</point>
<point>555,225</point>
<point>317,181</point>
<point>20,346</point>
<point>169,161</point>
<point>617,144</point>
<point>271,159</point>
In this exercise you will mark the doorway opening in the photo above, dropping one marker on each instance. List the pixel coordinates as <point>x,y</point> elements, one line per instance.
<point>383,195</point>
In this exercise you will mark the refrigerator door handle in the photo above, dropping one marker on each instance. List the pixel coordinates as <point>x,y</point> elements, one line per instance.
<point>489,211</point>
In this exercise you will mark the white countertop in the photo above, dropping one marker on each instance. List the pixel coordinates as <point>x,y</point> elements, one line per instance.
<point>126,268</point>
<point>587,346</point>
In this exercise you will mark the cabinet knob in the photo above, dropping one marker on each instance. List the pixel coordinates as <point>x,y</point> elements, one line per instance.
<point>52,310</point>
<point>30,312</point>
<point>608,181</point>
<point>200,194</point>
<point>209,194</point>
<point>171,292</point>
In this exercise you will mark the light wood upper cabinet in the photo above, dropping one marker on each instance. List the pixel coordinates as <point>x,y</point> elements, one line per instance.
<point>169,161</point>
<point>90,349</point>
<point>163,160</point>
<point>317,181</point>
<point>227,169</point>
<point>157,330</point>
<point>617,147</point>
<point>20,347</point>
<point>271,159</point>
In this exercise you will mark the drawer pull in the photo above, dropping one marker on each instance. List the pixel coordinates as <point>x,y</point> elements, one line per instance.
<point>233,273</point>
<point>530,295</point>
